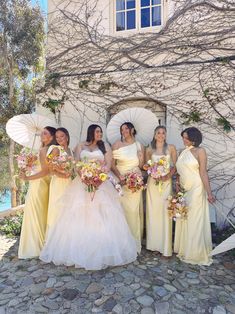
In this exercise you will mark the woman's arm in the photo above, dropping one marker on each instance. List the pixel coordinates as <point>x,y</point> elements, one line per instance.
<point>44,167</point>
<point>173,155</point>
<point>108,157</point>
<point>140,153</point>
<point>56,170</point>
<point>202,160</point>
<point>148,154</point>
<point>77,151</point>
<point>113,162</point>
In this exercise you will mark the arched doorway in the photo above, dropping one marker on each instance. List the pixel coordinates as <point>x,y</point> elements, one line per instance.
<point>150,104</point>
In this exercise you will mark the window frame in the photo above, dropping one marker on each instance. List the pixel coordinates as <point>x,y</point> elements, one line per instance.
<point>138,28</point>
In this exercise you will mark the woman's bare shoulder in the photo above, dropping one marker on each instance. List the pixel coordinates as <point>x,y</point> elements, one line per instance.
<point>171,147</point>
<point>117,145</point>
<point>201,151</point>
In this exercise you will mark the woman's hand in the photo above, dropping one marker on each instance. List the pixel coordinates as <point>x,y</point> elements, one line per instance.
<point>121,180</point>
<point>105,169</point>
<point>64,175</point>
<point>211,198</point>
<point>79,172</point>
<point>165,178</point>
<point>22,175</point>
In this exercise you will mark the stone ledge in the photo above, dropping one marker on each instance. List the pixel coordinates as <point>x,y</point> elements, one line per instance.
<point>11,211</point>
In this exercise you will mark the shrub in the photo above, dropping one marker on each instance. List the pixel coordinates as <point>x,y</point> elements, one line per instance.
<point>11,226</point>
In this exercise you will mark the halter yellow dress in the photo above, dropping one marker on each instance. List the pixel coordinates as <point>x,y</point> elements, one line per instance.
<point>35,217</point>
<point>158,223</point>
<point>193,235</point>
<point>127,160</point>
<point>57,188</point>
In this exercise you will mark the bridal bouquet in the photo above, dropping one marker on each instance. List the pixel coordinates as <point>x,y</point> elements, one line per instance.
<point>27,160</point>
<point>177,208</point>
<point>134,181</point>
<point>157,170</point>
<point>93,174</point>
<point>63,163</point>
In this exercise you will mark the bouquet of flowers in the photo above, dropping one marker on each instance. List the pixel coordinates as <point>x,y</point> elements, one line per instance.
<point>134,181</point>
<point>27,160</point>
<point>177,208</point>
<point>157,169</point>
<point>93,174</point>
<point>63,163</point>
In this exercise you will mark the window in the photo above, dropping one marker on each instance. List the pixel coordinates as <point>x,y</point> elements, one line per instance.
<point>138,14</point>
<point>125,15</point>
<point>150,13</point>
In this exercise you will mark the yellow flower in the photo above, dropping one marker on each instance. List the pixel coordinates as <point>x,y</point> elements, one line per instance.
<point>103,176</point>
<point>161,162</point>
<point>49,156</point>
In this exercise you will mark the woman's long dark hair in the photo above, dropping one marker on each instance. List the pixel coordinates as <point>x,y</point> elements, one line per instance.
<point>153,143</point>
<point>52,132</point>
<point>91,137</point>
<point>66,132</point>
<point>130,127</point>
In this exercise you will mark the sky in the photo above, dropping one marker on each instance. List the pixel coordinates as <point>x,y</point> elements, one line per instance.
<point>42,3</point>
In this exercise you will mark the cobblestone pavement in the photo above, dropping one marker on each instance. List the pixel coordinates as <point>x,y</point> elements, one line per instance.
<point>149,285</point>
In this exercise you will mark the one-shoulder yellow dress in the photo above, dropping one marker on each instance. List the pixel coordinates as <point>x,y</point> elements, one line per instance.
<point>35,217</point>
<point>127,160</point>
<point>158,223</point>
<point>193,236</point>
<point>58,186</point>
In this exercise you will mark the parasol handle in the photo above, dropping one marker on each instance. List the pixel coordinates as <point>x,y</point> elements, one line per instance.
<point>223,214</point>
<point>35,134</point>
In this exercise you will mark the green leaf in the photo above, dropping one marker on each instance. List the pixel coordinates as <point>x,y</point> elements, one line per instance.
<point>224,123</point>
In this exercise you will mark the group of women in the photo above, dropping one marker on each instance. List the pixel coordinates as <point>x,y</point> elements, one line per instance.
<point>63,225</point>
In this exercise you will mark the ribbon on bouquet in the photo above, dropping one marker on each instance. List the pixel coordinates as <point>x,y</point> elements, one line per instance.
<point>160,189</point>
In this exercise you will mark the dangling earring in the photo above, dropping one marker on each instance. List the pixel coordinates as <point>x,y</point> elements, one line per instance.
<point>193,143</point>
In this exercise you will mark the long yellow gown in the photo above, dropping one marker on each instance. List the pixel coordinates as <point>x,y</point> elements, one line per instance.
<point>57,189</point>
<point>127,160</point>
<point>193,236</point>
<point>158,223</point>
<point>35,218</point>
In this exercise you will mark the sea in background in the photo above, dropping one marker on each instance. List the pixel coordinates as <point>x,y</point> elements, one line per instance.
<point>5,201</point>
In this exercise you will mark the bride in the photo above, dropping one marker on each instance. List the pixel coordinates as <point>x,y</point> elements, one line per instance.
<point>92,234</point>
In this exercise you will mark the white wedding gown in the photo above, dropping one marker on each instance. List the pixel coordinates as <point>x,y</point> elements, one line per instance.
<point>90,234</point>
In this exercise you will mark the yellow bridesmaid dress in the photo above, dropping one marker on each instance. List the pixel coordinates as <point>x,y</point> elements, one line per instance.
<point>35,218</point>
<point>127,160</point>
<point>158,223</point>
<point>193,236</point>
<point>57,188</point>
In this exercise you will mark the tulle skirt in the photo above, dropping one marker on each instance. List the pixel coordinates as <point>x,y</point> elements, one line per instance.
<point>92,234</point>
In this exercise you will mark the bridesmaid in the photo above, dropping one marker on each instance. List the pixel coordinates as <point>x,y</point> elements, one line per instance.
<point>193,236</point>
<point>36,204</point>
<point>128,155</point>
<point>59,181</point>
<point>158,223</point>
